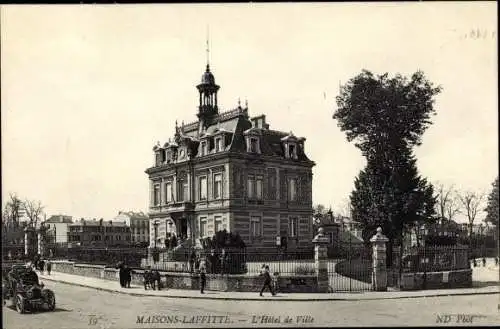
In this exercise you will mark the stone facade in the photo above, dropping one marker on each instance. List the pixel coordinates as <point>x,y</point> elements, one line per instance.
<point>230,171</point>
<point>138,223</point>
<point>98,233</point>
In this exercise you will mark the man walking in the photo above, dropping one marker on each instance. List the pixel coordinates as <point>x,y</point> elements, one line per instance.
<point>203,278</point>
<point>267,281</point>
<point>48,266</point>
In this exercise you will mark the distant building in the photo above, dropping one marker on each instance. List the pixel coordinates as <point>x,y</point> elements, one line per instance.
<point>138,223</point>
<point>57,228</point>
<point>343,233</point>
<point>99,233</point>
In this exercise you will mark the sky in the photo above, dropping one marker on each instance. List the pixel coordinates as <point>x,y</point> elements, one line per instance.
<point>87,90</point>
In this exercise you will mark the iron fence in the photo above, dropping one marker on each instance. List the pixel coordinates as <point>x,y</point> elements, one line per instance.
<point>426,259</point>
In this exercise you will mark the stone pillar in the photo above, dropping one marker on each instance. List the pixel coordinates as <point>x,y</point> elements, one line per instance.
<point>40,246</point>
<point>27,239</point>
<point>379,274</point>
<point>320,243</point>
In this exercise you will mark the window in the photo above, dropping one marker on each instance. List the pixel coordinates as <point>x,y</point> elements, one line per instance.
<point>254,145</point>
<point>156,195</point>
<point>218,223</point>
<point>217,186</point>
<point>271,185</point>
<point>291,151</point>
<point>203,187</point>
<point>250,187</point>
<point>258,188</point>
<point>158,158</point>
<point>182,190</point>
<point>255,226</point>
<point>203,148</point>
<point>218,144</point>
<point>203,227</point>
<point>292,227</point>
<point>292,189</point>
<point>168,192</point>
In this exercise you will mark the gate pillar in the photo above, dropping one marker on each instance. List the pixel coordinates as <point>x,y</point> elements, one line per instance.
<point>379,274</point>
<point>320,243</point>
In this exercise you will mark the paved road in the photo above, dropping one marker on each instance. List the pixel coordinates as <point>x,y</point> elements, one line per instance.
<point>76,306</point>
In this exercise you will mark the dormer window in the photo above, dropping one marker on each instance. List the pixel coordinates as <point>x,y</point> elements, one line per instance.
<point>218,144</point>
<point>292,151</point>
<point>254,145</point>
<point>203,148</point>
<point>158,158</point>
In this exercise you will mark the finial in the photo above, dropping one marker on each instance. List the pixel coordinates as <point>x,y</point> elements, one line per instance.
<point>176,124</point>
<point>208,49</point>
<point>239,102</point>
<point>246,103</point>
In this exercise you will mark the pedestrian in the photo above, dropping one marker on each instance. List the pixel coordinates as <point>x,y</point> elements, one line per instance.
<point>267,281</point>
<point>41,266</point>
<point>147,278</point>
<point>48,265</point>
<point>496,261</point>
<point>192,258</point>
<point>156,278</point>
<point>474,262</point>
<point>121,274</point>
<point>484,262</point>
<point>203,278</point>
<point>127,276</point>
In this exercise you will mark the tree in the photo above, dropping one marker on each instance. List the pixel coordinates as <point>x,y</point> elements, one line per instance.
<point>471,202</point>
<point>10,214</point>
<point>381,114</point>
<point>447,205</point>
<point>34,211</point>
<point>396,199</point>
<point>386,117</point>
<point>492,205</point>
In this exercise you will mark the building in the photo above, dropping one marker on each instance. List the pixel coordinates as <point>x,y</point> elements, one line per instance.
<point>99,233</point>
<point>230,171</point>
<point>57,228</point>
<point>138,223</point>
<point>343,233</point>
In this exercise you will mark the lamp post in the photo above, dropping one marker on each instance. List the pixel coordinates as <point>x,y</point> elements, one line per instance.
<point>155,224</point>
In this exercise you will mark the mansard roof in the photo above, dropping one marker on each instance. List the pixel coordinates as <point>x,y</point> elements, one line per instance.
<point>237,124</point>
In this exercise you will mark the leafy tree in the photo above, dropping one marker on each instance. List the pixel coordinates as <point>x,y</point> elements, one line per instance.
<point>396,199</point>
<point>492,205</point>
<point>382,114</point>
<point>385,118</point>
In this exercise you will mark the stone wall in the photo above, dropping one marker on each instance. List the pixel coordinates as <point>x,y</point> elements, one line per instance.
<point>437,280</point>
<point>229,282</point>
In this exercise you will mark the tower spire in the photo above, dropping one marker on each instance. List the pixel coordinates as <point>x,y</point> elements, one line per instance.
<point>208,47</point>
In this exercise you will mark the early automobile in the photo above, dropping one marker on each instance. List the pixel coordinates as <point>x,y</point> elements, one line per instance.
<point>26,293</point>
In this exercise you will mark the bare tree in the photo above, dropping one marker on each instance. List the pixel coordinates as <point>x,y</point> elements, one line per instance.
<point>472,203</point>
<point>447,205</point>
<point>10,213</point>
<point>34,211</point>
<point>344,208</point>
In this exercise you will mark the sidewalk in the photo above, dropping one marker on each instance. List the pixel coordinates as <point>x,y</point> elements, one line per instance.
<point>135,290</point>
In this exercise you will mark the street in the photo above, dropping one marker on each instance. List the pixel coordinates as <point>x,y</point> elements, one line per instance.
<point>79,307</point>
